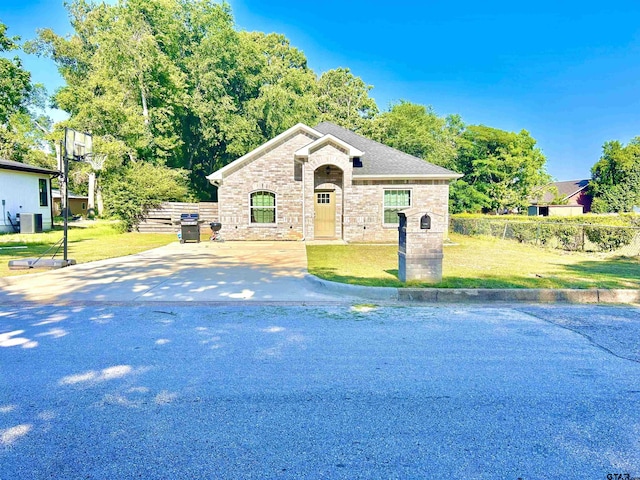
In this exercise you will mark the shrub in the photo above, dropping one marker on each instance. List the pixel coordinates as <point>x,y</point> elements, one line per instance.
<point>569,236</point>
<point>140,186</point>
<point>523,232</point>
<point>544,233</point>
<point>609,238</point>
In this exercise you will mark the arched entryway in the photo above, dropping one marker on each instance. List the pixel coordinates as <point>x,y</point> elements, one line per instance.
<point>327,200</point>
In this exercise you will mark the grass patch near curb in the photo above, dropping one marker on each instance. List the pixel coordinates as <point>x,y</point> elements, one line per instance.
<point>478,262</point>
<point>87,242</point>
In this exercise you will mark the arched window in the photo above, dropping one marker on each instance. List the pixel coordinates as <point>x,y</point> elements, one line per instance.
<point>263,207</point>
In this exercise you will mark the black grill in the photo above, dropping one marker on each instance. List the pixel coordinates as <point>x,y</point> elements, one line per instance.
<point>189,227</point>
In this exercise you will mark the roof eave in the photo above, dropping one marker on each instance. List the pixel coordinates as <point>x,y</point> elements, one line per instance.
<point>40,171</point>
<point>353,152</point>
<point>581,189</point>
<point>217,177</point>
<point>425,176</point>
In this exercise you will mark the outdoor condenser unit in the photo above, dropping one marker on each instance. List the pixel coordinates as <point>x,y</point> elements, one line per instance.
<point>30,223</point>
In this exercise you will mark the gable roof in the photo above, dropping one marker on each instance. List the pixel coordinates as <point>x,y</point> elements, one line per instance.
<point>23,167</point>
<point>379,161</point>
<point>316,144</point>
<point>237,164</point>
<point>383,161</point>
<point>566,190</point>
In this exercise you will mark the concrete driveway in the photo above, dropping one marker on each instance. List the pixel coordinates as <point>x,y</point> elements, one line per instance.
<point>231,271</point>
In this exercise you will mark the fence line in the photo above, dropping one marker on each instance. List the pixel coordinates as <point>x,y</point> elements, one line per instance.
<point>166,217</point>
<point>619,240</point>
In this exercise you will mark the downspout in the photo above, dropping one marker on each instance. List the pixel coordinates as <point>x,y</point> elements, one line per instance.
<point>51,200</point>
<point>304,200</point>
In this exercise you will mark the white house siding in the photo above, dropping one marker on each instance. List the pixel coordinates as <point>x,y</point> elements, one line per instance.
<point>19,191</point>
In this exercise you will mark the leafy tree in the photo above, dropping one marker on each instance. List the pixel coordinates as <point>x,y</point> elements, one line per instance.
<point>15,82</point>
<point>344,99</point>
<point>176,83</point>
<point>464,198</point>
<point>285,86</point>
<point>417,130</point>
<point>116,75</point>
<point>24,128</point>
<point>615,178</point>
<point>501,168</point>
<point>131,191</point>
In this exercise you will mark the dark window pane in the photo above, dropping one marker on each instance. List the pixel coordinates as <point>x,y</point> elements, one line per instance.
<point>42,187</point>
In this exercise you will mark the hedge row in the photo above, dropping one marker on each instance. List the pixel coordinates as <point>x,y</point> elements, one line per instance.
<point>568,235</point>
<point>623,219</point>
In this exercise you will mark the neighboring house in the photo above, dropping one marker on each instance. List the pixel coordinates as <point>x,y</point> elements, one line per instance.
<point>573,196</point>
<point>24,189</point>
<point>77,203</point>
<point>326,183</point>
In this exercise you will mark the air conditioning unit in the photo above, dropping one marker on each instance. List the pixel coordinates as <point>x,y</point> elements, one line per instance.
<point>30,223</point>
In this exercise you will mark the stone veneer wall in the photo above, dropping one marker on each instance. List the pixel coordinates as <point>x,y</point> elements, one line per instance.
<point>363,218</point>
<point>359,203</point>
<point>420,257</point>
<point>273,171</point>
<point>338,180</point>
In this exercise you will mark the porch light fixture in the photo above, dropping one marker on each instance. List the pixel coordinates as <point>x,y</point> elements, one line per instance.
<point>328,170</point>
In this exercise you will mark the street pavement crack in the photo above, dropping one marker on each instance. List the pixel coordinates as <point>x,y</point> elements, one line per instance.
<point>142,294</point>
<point>582,334</point>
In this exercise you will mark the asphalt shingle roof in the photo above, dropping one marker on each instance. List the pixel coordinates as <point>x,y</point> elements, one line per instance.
<point>380,159</point>
<point>565,189</point>
<point>23,167</point>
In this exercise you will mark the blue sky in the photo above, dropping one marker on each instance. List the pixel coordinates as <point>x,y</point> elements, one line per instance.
<point>568,72</point>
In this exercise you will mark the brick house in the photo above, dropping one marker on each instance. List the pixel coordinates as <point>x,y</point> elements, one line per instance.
<point>326,182</point>
<point>573,195</point>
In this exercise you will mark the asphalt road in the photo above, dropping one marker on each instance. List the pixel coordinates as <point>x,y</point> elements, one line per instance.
<point>172,391</point>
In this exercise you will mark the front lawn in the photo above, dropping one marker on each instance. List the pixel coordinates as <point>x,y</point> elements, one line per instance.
<point>89,241</point>
<point>478,262</point>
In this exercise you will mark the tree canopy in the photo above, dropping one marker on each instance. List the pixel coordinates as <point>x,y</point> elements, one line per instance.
<point>501,169</point>
<point>419,131</point>
<point>344,99</point>
<point>15,82</point>
<point>23,126</point>
<point>615,178</point>
<point>173,84</point>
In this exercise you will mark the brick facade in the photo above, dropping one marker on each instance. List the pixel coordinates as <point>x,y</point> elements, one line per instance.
<point>359,203</point>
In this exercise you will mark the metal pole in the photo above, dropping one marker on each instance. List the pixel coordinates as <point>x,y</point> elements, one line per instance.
<point>66,204</point>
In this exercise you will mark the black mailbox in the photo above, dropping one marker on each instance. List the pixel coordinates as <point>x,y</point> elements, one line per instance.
<point>425,222</point>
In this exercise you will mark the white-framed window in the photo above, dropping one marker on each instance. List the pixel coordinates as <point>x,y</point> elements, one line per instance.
<point>395,201</point>
<point>43,192</point>
<point>263,207</point>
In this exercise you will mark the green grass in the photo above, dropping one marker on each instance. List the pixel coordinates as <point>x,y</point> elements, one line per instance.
<point>87,242</point>
<point>478,262</point>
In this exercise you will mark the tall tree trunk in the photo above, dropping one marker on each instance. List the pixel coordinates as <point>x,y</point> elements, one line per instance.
<point>99,200</point>
<point>145,109</point>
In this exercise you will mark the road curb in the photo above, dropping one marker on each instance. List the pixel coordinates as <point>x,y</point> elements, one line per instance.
<point>479,295</point>
<point>370,293</point>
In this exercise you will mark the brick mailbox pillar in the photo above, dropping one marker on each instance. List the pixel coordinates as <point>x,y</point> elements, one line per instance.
<point>420,239</point>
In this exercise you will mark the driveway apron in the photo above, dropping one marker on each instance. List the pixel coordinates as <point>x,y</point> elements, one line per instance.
<point>206,272</point>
